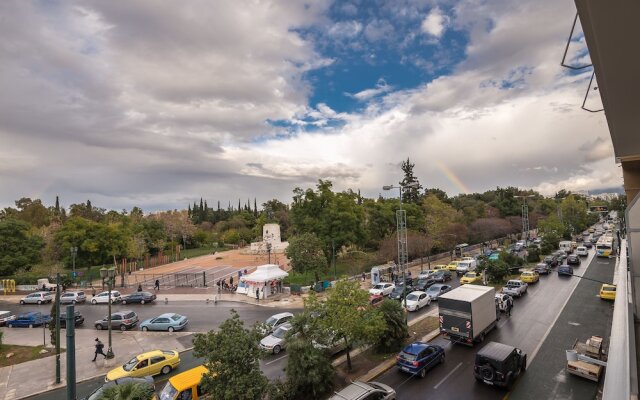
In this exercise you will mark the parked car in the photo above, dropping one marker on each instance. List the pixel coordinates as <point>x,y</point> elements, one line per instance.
<point>442,275</point>
<point>419,357</point>
<point>6,316</point>
<point>436,290</point>
<point>573,260</point>
<point>542,268</point>
<point>146,364</point>
<point>515,287</point>
<point>122,320</point>
<point>103,297</point>
<point>551,261</point>
<point>588,244</point>
<point>561,255</point>
<point>139,297</point>
<point>365,391</point>
<point>37,298</point>
<point>470,277</point>
<point>97,394</point>
<point>439,267</point>
<point>582,251</point>
<point>426,274</point>
<point>400,291</point>
<point>165,322</point>
<point>416,300</point>
<point>274,321</point>
<point>501,301</point>
<point>529,277</point>
<point>73,297</point>
<point>608,292</point>
<point>423,284</point>
<point>452,266</point>
<point>29,320</point>
<point>382,288</point>
<point>565,270</point>
<point>78,319</point>
<point>499,364</point>
<point>376,299</point>
<point>276,342</point>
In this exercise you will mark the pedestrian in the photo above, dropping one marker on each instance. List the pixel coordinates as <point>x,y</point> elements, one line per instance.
<point>139,287</point>
<point>157,287</point>
<point>258,295</point>
<point>231,281</point>
<point>364,277</point>
<point>509,306</point>
<point>99,347</point>
<point>93,291</point>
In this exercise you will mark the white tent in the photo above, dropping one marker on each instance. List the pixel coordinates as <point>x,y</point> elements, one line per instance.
<point>265,279</point>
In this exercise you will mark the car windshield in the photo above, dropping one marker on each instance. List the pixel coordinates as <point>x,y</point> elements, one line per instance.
<point>130,364</point>
<point>412,297</point>
<point>470,275</point>
<point>280,333</point>
<point>512,284</point>
<point>176,317</point>
<point>169,392</point>
<point>379,286</point>
<point>434,289</point>
<point>609,289</point>
<point>271,321</point>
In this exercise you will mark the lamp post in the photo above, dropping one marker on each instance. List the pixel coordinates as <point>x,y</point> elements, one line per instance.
<point>74,252</point>
<point>109,274</point>
<point>401,221</point>
<point>525,217</point>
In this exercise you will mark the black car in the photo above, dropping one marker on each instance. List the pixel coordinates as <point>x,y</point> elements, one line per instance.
<point>573,260</point>
<point>561,255</point>
<point>399,291</point>
<point>542,268</point>
<point>565,270</point>
<point>78,319</point>
<point>551,261</point>
<point>442,275</point>
<point>423,284</point>
<point>588,244</point>
<point>139,297</point>
<point>499,364</point>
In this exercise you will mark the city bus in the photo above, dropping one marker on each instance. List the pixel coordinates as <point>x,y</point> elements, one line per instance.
<point>460,250</point>
<point>604,247</point>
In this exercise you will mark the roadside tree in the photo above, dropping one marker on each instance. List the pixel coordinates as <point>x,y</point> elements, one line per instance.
<point>396,329</point>
<point>305,253</point>
<point>495,270</point>
<point>19,248</point>
<point>309,371</point>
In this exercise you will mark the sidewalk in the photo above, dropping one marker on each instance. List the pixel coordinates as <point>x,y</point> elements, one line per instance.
<point>37,376</point>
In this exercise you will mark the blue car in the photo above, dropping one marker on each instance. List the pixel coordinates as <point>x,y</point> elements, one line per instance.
<point>565,270</point>
<point>29,320</point>
<point>165,322</point>
<point>419,357</point>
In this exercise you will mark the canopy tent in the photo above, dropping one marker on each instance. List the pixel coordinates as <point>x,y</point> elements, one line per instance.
<point>266,279</point>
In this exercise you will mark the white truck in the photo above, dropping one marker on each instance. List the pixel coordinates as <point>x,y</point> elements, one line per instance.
<point>43,284</point>
<point>566,246</point>
<point>515,288</point>
<point>465,266</point>
<point>468,313</point>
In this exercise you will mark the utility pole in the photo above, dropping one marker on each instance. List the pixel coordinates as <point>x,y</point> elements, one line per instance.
<point>525,218</point>
<point>71,354</point>
<point>57,334</point>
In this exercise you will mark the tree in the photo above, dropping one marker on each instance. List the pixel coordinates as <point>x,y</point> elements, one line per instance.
<point>128,391</point>
<point>231,356</point>
<point>306,253</point>
<point>19,249</point>
<point>309,371</point>
<point>349,316</point>
<point>411,187</point>
<point>495,270</point>
<point>396,329</point>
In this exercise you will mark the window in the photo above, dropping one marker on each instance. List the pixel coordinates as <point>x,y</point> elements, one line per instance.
<point>116,317</point>
<point>143,364</point>
<point>157,359</point>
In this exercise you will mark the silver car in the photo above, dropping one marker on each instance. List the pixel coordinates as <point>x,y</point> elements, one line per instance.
<point>37,298</point>
<point>276,342</point>
<point>72,297</point>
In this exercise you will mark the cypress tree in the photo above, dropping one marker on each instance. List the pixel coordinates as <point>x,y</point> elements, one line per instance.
<point>239,209</point>
<point>57,205</point>
<point>255,207</point>
<point>189,210</point>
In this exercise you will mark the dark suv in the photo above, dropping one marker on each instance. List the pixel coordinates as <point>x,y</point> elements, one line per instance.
<point>122,320</point>
<point>499,364</point>
<point>78,319</point>
<point>551,261</point>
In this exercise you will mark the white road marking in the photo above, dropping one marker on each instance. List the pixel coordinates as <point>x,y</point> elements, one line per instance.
<point>448,375</point>
<point>277,359</point>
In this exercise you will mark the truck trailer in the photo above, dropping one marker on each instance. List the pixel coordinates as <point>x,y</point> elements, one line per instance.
<point>468,313</point>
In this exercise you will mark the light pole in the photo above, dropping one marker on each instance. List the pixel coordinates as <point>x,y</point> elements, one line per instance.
<point>525,217</point>
<point>401,221</point>
<point>109,274</point>
<point>74,252</point>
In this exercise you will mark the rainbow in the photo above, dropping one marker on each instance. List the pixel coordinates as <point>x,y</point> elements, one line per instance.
<point>452,177</point>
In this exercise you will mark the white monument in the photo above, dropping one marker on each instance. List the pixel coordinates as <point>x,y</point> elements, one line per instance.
<point>270,236</point>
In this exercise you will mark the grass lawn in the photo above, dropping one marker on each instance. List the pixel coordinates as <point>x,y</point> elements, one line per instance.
<point>22,354</point>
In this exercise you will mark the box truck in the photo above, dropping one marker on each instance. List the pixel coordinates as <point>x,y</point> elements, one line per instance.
<point>468,313</point>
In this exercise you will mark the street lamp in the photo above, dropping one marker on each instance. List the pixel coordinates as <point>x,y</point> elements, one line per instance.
<point>74,252</point>
<point>109,274</point>
<point>401,221</point>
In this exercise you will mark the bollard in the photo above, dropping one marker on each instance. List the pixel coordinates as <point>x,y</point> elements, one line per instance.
<point>215,299</point>
<point>166,300</point>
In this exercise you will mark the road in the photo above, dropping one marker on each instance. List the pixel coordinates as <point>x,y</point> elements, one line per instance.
<point>529,328</point>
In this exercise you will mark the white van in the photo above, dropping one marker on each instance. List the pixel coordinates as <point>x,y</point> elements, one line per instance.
<point>465,266</point>
<point>582,251</point>
<point>566,246</point>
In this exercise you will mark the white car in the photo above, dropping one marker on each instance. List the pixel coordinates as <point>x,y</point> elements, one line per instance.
<point>416,300</point>
<point>382,288</point>
<point>103,297</point>
<point>582,251</point>
<point>276,341</point>
<point>427,274</point>
<point>515,287</point>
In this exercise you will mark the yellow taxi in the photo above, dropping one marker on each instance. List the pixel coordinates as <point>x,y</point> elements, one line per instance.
<point>591,230</point>
<point>608,292</point>
<point>470,277</point>
<point>439,266</point>
<point>529,277</point>
<point>146,364</point>
<point>185,385</point>
<point>453,265</point>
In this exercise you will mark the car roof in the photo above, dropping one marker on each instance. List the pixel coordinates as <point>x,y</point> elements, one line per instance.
<point>283,314</point>
<point>416,347</point>
<point>417,292</point>
<point>605,285</point>
<point>149,354</point>
<point>496,351</point>
<point>166,315</point>
<point>354,391</point>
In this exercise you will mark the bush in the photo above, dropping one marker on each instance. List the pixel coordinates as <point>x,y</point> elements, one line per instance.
<point>395,328</point>
<point>533,254</point>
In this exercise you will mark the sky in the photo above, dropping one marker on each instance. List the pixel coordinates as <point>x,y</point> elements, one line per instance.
<point>156,105</point>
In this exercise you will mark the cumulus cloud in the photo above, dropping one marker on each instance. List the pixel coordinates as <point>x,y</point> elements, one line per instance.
<point>434,24</point>
<point>367,94</point>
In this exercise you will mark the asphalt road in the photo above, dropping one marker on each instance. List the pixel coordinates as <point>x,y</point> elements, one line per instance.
<point>533,317</point>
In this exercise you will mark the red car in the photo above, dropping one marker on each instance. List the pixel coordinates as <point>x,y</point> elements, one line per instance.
<point>376,299</point>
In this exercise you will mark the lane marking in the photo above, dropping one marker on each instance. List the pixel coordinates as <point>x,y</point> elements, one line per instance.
<point>276,360</point>
<point>448,375</point>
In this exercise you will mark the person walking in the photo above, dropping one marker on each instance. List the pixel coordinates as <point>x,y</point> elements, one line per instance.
<point>258,295</point>
<point>99,347</point>
<point>231,281</point>
<point>509,306</point>
<point>157,286</point>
